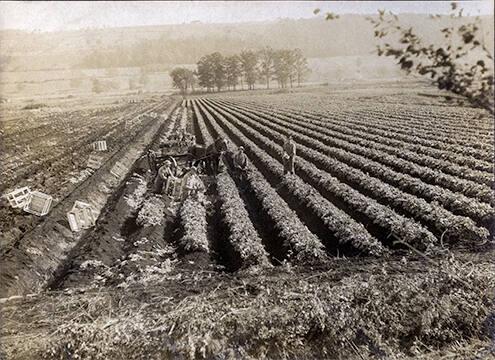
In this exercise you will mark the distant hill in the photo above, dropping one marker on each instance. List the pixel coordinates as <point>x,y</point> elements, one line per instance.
<point>165,46</point>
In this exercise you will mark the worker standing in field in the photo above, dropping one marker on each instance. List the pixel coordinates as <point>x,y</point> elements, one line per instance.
<point>240,163</point>
<point>152,161</point>
<point>219,148</point>
<point>289,155</point>
<point>163,174</point>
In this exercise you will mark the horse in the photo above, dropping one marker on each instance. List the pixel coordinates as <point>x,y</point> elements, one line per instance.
<point>218,147</point>
<point>209,155</point>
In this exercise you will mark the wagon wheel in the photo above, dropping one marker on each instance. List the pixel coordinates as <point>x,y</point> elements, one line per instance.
<point>171,159</point>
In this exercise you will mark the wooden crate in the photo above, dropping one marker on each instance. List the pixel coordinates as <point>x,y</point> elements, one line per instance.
<point>118,170</point>
<point>174,188</point>
<point>94,161</point>
<point>19,197</point>
<point>81,216</point>
<point>39,203</point>
<point>100,145</point>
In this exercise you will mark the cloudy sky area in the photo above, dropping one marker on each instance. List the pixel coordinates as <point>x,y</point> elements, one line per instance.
<point>54,16</point>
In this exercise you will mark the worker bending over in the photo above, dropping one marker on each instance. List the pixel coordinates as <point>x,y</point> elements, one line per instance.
<point>164,172</point>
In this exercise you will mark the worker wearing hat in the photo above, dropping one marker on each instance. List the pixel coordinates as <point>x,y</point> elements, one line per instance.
<point>164,173</point>
<point>240,162</point>
<point>289,155</point>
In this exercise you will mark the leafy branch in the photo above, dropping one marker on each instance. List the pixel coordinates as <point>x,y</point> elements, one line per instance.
<point>328,16</point>
<point>447,64</point>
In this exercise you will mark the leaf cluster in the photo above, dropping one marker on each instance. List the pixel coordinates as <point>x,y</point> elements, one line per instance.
<point>459,64</point>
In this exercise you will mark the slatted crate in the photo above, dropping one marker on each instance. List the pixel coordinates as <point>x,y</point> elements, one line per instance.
<point>19,197</point>
<point>174,188</point>
<point>100,145</point>
<point>118,170</point>
<point>94,161</point>
<point>81,216</point>
<point>39,203</point>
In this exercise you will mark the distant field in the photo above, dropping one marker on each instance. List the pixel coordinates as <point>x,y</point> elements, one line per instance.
<point>48,83</point>
<point>34,84</point>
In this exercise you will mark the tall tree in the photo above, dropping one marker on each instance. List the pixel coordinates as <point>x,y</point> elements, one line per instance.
<point>291,64</point>
<point>193,79</point>
<point>249,60</point>
<point>206,73</point>
<point>266,64</point>
<point>182,79</point>
<point>281,67</point>
<point>218,64</point>
<point>300,65</point>
<point>211,71</point>
<point>233,70</point>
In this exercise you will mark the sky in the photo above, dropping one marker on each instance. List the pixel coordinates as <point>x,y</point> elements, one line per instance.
<point>55,16</point>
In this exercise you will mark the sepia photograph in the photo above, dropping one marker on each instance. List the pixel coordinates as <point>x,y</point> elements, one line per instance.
<point>225,180</point>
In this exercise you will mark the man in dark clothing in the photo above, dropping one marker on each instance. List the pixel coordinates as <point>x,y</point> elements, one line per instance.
<point>152,161</point>
<point>289,155</point>
<point>216,150</point>
<point>241,163</point>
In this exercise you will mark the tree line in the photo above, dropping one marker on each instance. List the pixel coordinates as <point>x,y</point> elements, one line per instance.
<point>215,72</point>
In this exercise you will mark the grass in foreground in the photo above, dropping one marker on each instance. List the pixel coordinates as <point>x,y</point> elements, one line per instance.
<point>353,309</point>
